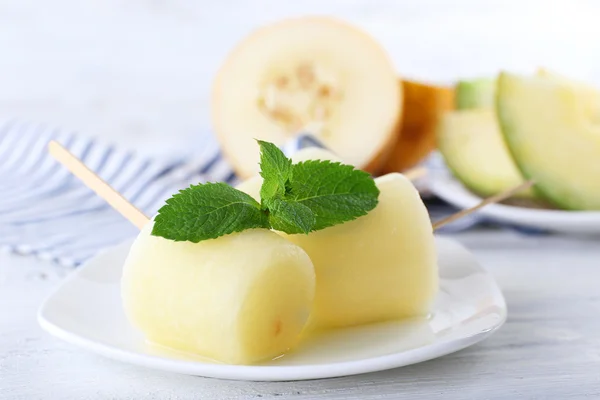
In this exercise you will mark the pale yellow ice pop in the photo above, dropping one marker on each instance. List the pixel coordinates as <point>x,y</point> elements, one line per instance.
<point>237,299</point>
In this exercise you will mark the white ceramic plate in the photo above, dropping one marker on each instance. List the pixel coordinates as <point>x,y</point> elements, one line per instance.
<point>86,311</point>
<point>444,185</point>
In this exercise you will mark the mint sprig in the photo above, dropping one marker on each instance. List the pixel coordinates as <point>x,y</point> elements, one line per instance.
<point>207,211</point>
<point>295,198</point>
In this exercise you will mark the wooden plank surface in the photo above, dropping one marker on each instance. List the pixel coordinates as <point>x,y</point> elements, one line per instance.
<point>549,347</point>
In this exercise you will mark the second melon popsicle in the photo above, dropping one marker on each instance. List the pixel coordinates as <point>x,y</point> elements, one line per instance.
<point>379,267</point>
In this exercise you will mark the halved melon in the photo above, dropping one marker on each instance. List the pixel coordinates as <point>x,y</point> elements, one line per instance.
<point>552,128</point>
<point>312,74</point>
<point>422,108</point>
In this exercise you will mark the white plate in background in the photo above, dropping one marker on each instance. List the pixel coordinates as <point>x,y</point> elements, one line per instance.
<point>444,185</point>
<point>86,311</point>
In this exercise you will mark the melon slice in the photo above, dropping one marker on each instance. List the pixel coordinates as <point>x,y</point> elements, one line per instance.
<point>237,299</point>
<point>552,128</point>
<point>473,148</point>
<point>312,74</point>
<point>472,145</point>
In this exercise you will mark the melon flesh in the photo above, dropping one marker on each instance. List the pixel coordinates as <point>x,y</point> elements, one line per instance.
<point>378,267</point>
<point>237,299</point>
<point>311,74</point>
<point>475,151</point>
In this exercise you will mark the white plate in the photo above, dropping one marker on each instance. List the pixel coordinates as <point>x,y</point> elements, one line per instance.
<point>444,185</point>
<point>86,311</point>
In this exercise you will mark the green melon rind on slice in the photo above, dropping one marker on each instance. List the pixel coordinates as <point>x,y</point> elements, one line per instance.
<point>552,129</point>
<point>476,93</point>
<point>474,150</point>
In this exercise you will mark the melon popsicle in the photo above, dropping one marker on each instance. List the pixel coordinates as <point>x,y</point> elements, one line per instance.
<point>237,299</point>
<point>378,267</point>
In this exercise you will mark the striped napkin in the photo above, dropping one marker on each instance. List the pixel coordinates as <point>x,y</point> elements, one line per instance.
<point>47,212</point>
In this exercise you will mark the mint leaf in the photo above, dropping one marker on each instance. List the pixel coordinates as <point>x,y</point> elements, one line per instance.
<point>207,211</point>
<point>334,192</point>
<point>290,217</point>
<point>275,169</point>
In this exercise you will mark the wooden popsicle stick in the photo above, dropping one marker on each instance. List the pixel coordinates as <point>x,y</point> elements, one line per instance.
<point>493,199</point>
<point>415,173</point>
<point>98,185</point>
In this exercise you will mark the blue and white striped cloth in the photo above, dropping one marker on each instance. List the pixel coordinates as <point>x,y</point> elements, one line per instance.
<point>47,212</point>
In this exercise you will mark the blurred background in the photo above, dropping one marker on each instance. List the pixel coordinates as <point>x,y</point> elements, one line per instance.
<point>139,72</point>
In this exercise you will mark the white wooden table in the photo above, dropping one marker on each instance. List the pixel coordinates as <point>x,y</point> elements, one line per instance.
<point>548,348</point>
<point>138,72</point>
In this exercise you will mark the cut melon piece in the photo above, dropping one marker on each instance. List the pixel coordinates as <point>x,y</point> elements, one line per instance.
<point>237,299</point>
<point>378,267</point>
<point>311,74</point>
<point>473,148</point>
<point>476,94</point>
<point>552,128</point>
<point>422,108</point>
